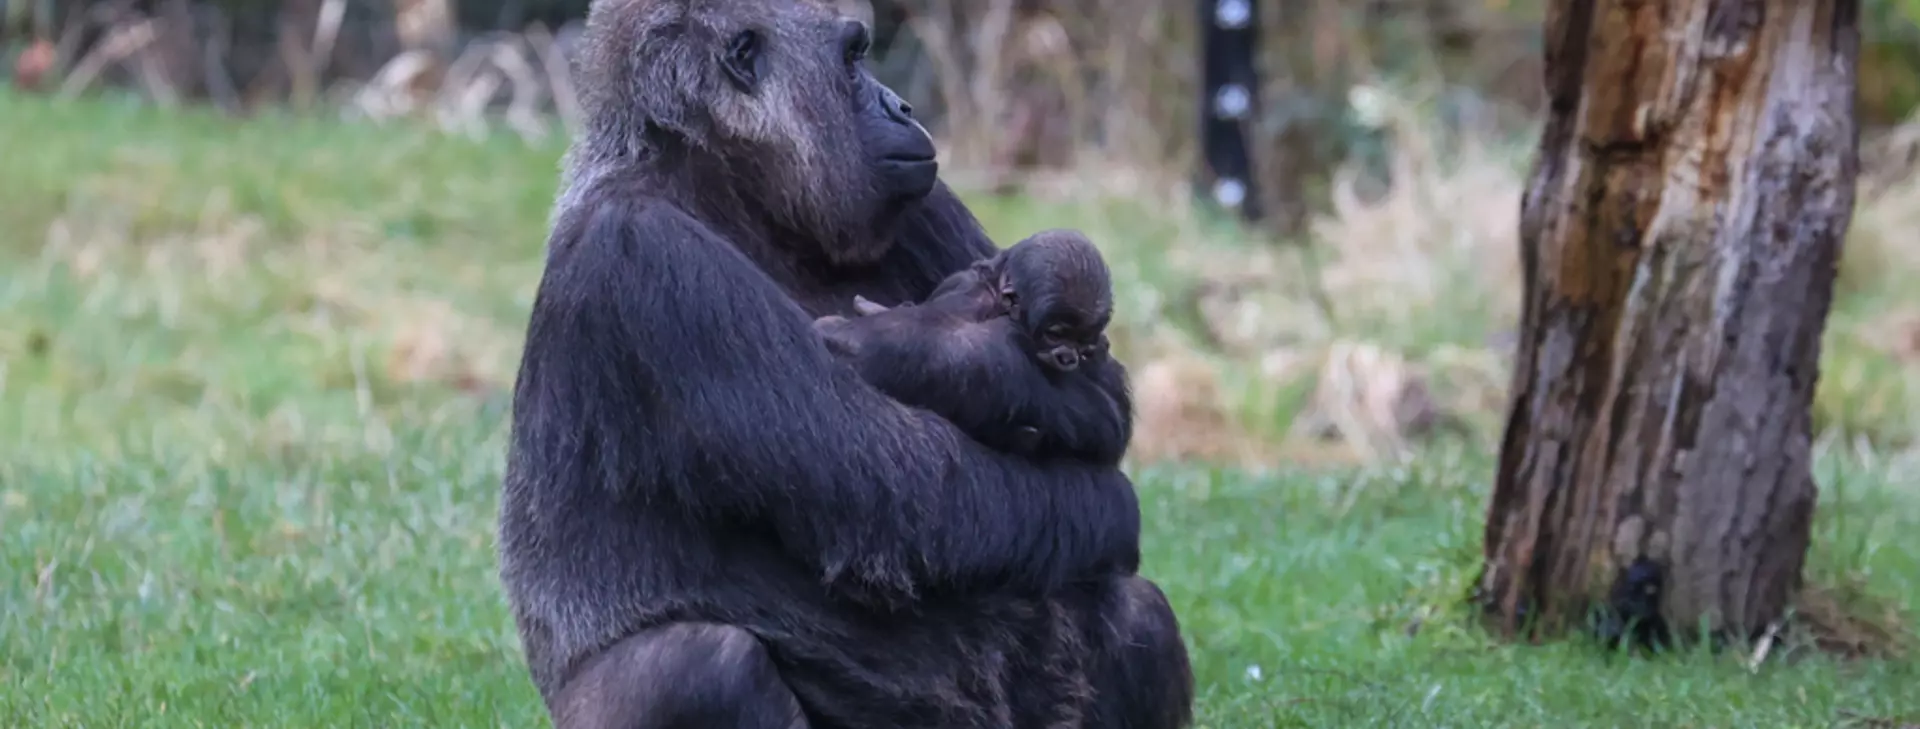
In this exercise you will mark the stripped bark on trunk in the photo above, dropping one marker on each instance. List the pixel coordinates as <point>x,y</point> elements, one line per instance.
<point>1679,237</point>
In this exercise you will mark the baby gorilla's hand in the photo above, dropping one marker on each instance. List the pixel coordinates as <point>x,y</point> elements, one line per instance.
<point>1096,349</point>
<point>865,307</point>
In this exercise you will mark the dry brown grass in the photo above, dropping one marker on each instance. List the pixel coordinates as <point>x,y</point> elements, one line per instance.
<point>1845,620</point>
<point>337,285</point>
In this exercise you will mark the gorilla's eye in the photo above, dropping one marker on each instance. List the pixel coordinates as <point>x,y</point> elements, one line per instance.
<point>858,43</point>
<point>742,61</point>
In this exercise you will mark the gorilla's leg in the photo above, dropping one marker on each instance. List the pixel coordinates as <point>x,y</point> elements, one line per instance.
<point>679,676</point>
<point>1140,673</point>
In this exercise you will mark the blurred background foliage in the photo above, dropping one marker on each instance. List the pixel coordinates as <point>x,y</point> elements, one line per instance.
<point>1390,147</point>
<point>1034,80</point>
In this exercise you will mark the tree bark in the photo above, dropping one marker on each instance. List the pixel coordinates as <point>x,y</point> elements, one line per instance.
<point>1679,237</point>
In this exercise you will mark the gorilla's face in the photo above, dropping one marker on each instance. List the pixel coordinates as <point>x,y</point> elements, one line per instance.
<point>831,150</point>
<point>891,143</point>
<point>770,109</point>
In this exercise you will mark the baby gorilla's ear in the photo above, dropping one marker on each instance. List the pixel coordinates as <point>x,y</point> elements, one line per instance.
<point>1009,296</point>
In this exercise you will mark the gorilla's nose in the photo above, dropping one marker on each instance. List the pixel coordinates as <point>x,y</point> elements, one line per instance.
<point>898,108</point>
<point>1064,358</point>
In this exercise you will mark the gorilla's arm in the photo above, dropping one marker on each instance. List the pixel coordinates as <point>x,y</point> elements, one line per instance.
<point>983,380</point>
<point>696,380</point>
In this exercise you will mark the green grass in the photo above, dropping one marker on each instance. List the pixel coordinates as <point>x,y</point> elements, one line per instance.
<point>228,498</point>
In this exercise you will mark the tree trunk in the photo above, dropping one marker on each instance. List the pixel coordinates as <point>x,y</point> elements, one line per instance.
<point>1679,238</point>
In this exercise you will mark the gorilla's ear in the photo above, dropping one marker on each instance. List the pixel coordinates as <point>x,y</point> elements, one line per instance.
<point>743,60</point>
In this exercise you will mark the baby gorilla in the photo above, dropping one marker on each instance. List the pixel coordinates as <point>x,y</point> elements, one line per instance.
<point>1054,287</point>
<point>1048,298</point>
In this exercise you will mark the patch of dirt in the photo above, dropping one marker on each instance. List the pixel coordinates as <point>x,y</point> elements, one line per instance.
<point>1845,622</point>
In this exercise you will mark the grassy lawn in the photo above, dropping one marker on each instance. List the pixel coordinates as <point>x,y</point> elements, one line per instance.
<point>251,424</point>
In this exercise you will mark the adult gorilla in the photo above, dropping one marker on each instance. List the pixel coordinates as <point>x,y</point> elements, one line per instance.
<point>707,521</point>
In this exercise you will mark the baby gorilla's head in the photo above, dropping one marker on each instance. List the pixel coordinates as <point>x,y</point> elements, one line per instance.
<point>1060,293</point>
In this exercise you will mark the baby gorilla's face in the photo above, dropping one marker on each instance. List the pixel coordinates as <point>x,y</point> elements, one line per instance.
<point>1058,289</point>
<point>1066,335</point>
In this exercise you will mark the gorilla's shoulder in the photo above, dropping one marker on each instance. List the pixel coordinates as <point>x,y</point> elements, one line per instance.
<point>611,221</point>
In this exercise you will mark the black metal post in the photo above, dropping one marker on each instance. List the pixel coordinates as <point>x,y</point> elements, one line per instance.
<point>1230,92</point>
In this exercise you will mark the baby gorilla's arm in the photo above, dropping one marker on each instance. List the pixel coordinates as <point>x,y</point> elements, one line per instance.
<point>840,335</point>
<point>847,336</point>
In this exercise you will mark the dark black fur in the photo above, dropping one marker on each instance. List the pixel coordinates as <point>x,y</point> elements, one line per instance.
<point>685,450</point>
<point>1011,350</point>
<point>1631,614</point>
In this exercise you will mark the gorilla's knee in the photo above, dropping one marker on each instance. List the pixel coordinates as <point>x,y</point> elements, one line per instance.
<point>1146,620</point>
<point>679,675</point>
<point>1146,679</point>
